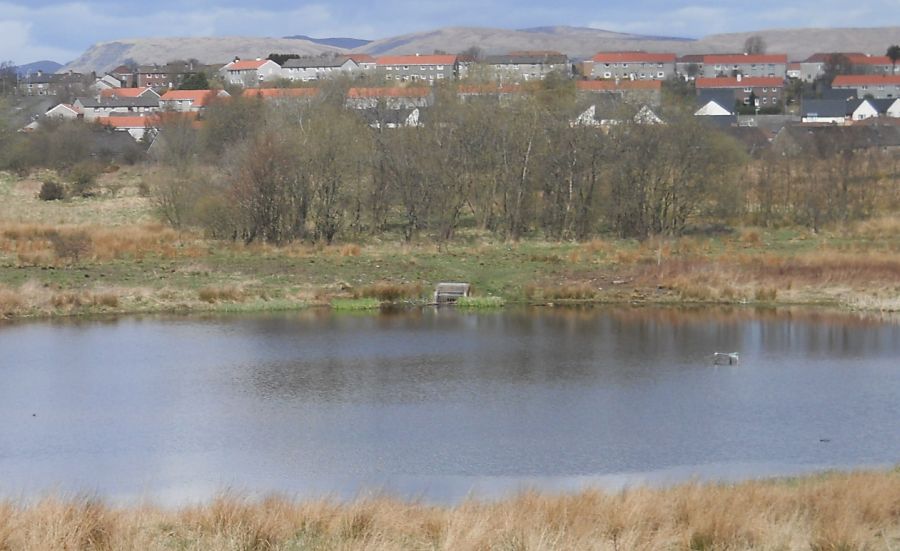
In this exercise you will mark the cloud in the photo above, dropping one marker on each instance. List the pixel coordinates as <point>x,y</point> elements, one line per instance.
<point>17,44</point>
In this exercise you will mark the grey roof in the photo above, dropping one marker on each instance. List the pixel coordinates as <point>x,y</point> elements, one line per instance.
<point>838,93</point>
<point>725,98</point>
<point>824,108</point>
<point>719,121</point>
<point>882,105</point>
<point>526,59</point>
<point>312,62</point>
<point>830,139</point>
<point>92,102</point>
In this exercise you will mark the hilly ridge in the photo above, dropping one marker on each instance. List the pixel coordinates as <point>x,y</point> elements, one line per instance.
<point>577,42</point>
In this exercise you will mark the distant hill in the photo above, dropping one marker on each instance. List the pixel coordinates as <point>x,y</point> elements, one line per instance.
<point>45,66</point>
<point>337,42</point>
<point>577,42</point>
<point>218,49</point>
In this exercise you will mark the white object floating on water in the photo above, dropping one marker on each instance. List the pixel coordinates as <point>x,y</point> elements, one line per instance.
<point>726,358</point>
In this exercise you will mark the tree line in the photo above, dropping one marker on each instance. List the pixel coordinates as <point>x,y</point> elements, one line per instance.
<point>317,171</point>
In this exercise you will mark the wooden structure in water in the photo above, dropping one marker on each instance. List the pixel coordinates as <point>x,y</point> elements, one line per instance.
<point>448,293</point>
<point>726,358</point>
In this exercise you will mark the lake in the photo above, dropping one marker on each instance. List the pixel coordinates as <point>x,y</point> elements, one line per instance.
<point>439,404</point>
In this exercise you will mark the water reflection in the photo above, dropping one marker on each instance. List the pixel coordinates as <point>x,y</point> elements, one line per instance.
<point>439,403</point>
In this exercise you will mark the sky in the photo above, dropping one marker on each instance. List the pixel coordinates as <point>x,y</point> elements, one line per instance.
<point>60,30</point>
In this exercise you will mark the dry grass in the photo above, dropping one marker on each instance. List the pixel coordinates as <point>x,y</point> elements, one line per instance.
<point>41,244</point>
<point>565,291</point>
<point>35,298</point>
<point>226,293</point>
<point>840,511</point>
<point>388,291</point>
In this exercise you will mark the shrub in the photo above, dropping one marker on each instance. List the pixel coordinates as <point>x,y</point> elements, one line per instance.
<point>52,191</point>
<point>83,177</point>
<point>71,246</point>
<point>351,304</point>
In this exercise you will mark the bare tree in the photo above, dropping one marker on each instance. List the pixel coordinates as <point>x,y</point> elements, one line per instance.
<point>755,44</point>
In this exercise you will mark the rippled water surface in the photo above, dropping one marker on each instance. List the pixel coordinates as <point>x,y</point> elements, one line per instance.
<point>439,404</point>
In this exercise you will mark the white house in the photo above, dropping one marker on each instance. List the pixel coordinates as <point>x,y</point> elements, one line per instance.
<point>250,73</point>
<point>62,111</point>
<point>305,69</point>
<point>862,110</point>
<point>189,100</point>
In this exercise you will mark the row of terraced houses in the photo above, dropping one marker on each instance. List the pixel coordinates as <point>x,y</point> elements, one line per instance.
<point>727,85</point>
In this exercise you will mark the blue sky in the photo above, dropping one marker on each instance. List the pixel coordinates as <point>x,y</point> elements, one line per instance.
<point>61,30</point>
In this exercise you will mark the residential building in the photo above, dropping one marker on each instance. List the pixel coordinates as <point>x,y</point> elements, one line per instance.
<point>365,62</point>
<point>876,86</point>
<point>141,128</point>
<point>795,70</point>
<point>129,93</point>
<point>189,100</point>
<point>420,68</point>
<point>633,65</point>
<point>62,111</point>
<point>747,65</point>
<point>715,102</point>
<point>51,84</point>
<point>689,67</point>
<point>306,69</point>
<point>250,73</point>
<point>761,92</point>
<point>94,107</point>
<point>502,93</point>
<point>524,66</point>
<point>829,111</point>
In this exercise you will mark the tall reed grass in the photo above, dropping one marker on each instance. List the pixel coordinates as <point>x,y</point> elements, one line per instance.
<point>832,512</point>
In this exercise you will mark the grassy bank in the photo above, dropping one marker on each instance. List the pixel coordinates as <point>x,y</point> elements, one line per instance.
<point>108,254</point>
<point>830,512</point>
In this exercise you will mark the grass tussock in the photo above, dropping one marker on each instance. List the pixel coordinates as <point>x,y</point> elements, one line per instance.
<point>354,304</point>
<point>387,291</point>
<point>562,292</point>
<point>222,293</point>
<point>838,511</point>
<point>480,302</point>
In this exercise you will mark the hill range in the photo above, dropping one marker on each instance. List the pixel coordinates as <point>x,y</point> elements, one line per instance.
<point>577,42</point>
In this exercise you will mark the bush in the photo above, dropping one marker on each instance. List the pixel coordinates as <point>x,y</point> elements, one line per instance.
<point>83,177</point>
<point>52,191</point>
<point>71,247</point>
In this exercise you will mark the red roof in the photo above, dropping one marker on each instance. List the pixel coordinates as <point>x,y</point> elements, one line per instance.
<point>745,82</point>
<point>417,60</point>
<point>361,58</point>
<point>862,59</point>
<point>249,65</point>
<point>632,57</point>
<point>417,92</point>
<point>865,80</point>
<point>127,122</point>
<point>612,86</point>
<point>267,93</point>
<point>124,92</point>
<point>737,59</point>
<point>198,98</point>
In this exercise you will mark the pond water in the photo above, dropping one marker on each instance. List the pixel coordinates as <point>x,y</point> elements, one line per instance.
<point>439,404</point>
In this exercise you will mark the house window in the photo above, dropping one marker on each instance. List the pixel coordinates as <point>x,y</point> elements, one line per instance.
<point>440,67</point>
<point>661,75</point>
<point>607,75</point>
<point>748,90</point>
